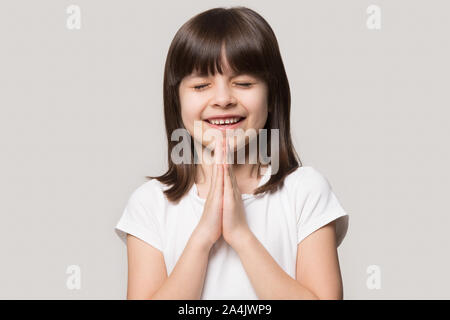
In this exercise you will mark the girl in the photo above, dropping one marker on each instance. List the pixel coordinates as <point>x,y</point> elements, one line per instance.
<point>219,229</point>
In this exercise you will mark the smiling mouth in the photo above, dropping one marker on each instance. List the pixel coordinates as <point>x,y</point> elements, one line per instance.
<point>225,123</point>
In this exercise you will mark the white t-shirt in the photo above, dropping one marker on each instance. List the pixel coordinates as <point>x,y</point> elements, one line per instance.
<point>279,221</point>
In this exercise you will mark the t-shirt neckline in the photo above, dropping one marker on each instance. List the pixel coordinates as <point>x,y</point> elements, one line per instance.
<point>194,191</point>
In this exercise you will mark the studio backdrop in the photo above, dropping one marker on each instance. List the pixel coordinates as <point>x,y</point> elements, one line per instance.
<point>82,124</point>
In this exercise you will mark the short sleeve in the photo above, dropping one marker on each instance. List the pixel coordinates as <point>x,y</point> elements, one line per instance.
<point>140,221</point>
<point>319,206</point>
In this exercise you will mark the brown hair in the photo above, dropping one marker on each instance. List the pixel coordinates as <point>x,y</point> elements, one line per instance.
<point>251,47</point>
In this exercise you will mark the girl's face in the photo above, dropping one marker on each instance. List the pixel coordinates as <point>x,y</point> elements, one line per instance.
<point>240,97</point>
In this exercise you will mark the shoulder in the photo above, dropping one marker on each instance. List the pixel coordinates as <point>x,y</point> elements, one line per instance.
<point>307,178</point>
<point>149,194</point>
<point>316,204</point>
<point>142,216</point>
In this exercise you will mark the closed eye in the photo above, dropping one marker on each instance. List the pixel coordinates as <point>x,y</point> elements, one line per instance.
<point>246,85</point>
<point>200,87</point>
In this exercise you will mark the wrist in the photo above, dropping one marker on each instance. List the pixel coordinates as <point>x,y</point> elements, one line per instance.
<point>240,238</point>
<point>200,239</point>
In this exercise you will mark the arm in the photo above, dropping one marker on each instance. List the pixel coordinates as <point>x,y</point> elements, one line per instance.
<point>316,270</point>
<point>318,263</point>
<point>147,276</point>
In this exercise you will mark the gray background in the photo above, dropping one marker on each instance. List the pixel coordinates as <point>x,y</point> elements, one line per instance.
<point>81,124</point>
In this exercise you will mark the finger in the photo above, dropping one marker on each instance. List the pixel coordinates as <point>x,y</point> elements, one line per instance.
<point>226,167</point>
<point>227,179</point>
<point>212,182</point>
<point>231,171</point>
<point>218,153</point>
<point>218,187</point>
<point>224,151</point>
<point>229,154</point>
<point>213,174</point>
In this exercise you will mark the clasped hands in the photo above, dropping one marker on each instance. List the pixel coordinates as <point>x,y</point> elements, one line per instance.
<point>224,212</point>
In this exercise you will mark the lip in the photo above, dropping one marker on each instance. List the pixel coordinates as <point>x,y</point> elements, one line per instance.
<point>225,116</point>
<point>225,126</point>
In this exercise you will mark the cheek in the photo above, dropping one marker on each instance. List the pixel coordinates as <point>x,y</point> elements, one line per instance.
<point>189,107</point>
<point>191,116</point>
<point>190,112</point>
<point>258,110</point>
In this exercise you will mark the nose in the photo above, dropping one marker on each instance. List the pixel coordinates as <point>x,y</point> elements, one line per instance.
<point>223,95</point>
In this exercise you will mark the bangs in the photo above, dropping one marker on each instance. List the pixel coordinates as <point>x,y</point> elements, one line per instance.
<point>210,36</point>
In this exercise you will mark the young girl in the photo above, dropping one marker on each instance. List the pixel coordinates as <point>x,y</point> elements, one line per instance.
<point>219,229</point>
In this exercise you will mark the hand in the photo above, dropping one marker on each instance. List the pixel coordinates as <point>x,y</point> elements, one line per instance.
<point>210,224</point>
<point>234,224</point>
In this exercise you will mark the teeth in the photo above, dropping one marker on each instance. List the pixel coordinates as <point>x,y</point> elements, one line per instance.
<point>224,121</point>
